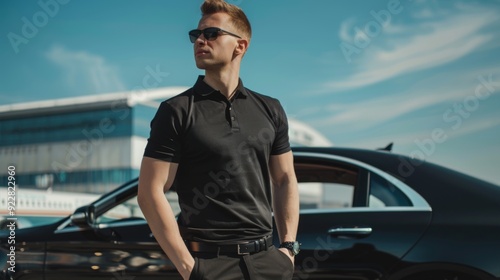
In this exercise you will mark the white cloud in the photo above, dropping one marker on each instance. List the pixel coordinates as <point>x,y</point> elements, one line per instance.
<point>381,109</point>
<point>474,125</point>
<point>446,88</point>
<point>424,13</point>
<point>406,140</point>
<point>411,48</point>
<point>86,70</point>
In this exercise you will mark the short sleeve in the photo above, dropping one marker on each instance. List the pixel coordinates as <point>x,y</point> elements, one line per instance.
<point>164,139</point>
<point>281,143</point>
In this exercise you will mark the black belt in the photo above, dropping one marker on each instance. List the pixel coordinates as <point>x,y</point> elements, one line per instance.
<point>244,248</point>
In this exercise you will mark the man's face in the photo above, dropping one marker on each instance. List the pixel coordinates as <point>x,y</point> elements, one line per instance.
<point>219,52</point>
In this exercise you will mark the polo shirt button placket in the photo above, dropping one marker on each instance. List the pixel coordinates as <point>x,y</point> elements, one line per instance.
<point>232,117</point>
<point>229,112</point>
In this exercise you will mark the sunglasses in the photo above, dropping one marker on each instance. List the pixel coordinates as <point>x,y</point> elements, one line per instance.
<point>210,33</point>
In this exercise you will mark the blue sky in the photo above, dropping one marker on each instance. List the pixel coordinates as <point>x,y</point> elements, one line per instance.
<point>422,74</point>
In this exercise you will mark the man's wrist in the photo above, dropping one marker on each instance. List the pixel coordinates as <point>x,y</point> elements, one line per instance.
<point>292,246</point>
<point>187,268</point>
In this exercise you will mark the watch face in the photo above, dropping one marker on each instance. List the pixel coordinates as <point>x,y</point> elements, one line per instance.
<point>292,246</point>
<point>296,248</point>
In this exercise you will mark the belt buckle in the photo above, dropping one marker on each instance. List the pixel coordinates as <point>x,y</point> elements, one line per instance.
<point>240,253</point>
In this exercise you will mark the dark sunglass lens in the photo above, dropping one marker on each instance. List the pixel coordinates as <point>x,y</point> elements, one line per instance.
<point>211,33</point>
<point>194,34</point>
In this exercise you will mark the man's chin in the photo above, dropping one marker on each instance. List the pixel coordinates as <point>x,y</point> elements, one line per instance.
<point>201,66</point>
<point>208,65</point>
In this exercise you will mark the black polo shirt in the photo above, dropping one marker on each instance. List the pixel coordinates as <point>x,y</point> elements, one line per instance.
<point>222,147</point>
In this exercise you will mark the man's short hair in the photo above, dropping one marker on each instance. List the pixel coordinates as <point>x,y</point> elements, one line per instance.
<point>238,17</point>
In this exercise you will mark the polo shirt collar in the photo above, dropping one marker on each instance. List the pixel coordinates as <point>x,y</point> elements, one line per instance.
<point>205,89</point>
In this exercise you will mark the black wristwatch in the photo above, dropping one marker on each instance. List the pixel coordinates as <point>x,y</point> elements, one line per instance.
<point>293,246</point>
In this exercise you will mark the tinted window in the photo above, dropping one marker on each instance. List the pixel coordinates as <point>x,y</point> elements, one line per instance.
<point>325,195</point>
<point>325,187</point>
<point>384,194</point>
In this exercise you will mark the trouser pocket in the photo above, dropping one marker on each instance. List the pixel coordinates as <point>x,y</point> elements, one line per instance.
<point>285,259</point>
<point>195,273</point>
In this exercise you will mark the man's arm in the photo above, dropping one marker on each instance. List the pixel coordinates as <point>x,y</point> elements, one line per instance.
<point>285,197</point>
<point>156,177</point>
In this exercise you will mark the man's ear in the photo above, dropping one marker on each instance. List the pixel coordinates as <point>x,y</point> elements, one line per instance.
<point>242,46</point>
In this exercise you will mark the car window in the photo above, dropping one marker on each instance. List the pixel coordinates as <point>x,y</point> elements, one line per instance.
<point>384,194</point>
<point>130,210</point>
<point>325,187</point>
<point>325,195</point>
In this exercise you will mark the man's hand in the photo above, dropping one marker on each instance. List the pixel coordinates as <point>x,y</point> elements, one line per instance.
<point>289,254</point>
<point>186,273</point>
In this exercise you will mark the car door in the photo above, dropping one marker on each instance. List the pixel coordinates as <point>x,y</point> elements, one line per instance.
<point>119,245</point>
<point>356,221</point>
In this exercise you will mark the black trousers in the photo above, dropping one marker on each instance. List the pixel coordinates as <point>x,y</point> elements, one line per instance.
<point>270,264</point>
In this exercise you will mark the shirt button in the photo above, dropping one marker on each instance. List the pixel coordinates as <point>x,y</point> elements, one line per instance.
<point>232,118</point>
<point>230,108</point>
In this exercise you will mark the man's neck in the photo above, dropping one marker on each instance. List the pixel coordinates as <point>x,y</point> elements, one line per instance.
<point>226,82</point>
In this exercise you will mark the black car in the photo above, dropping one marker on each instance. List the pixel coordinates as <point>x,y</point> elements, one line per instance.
<point>364,215</point>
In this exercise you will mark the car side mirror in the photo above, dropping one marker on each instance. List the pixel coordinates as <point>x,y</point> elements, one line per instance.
<point>83,216</point>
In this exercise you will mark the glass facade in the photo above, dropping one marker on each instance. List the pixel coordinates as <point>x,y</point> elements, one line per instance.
<point>28,132</point>
<point>66,127</point>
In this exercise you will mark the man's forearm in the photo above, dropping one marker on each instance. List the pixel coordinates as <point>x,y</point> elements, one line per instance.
<point>163,224</point>
<point>286,209</point>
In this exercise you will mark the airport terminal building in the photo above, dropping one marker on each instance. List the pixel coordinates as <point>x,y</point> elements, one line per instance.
<point>89,144</point>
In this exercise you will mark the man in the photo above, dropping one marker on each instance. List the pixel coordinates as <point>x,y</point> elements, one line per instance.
<point>223,144</point>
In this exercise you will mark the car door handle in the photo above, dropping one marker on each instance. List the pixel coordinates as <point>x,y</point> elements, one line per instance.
<point>350,232</point>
